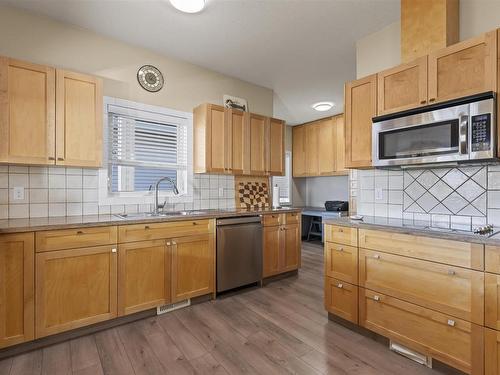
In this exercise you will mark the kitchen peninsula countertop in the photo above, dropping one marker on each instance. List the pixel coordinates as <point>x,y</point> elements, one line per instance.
<point>69,222</point>
<point>421,228</point>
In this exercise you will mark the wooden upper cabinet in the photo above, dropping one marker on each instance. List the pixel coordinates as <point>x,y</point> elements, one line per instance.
<point>276,147</point>
<point>360,108</point>
<point>466,68</point>
<point>239,142</point>
<point>27,106</point>
<point>326,151</point>
<point>312,155</point>
<point>299,151</point>
<point>258,135</point>
<point>17,300</point>
<point>78,120</point>
<point>340,145</point>
<point>402,87</point>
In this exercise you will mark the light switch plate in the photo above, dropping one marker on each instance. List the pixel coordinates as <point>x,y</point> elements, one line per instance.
<point>18,193</point>
<point>379,194</point>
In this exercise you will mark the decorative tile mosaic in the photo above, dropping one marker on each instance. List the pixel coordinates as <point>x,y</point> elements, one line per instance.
<point>253,195</point>
<point>454,191</point>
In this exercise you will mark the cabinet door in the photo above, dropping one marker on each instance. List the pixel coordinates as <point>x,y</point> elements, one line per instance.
<point>27,106</point>
<point>78,120</point>
<point>360,108</point>
<point>492,300</point>
<point>466,68</point>
<point>258,147</point>
<point>340,144</point>
<point>326,151</point>
<point>299,151</point>
<point>75,288</point>
<point>193,266</point>
<point>143,276</point>
<point>491,352</point>
<point>290,244</point>
<point>402,87</point>
<point>17,298</point>
<point>271,249</point>
<point>276,141</point>
<point>239,142</point>
<point>216,140</point>
<point>312,144</point>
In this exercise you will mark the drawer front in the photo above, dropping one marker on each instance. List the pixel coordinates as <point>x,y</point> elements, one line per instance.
<point>453,341</point>
<point>341,299</point>
<point>491,352</point>
<point>341,262</point>
<point>492,259</point>
<point>270,220</point>
<point>456,253</point>
<point>292,218</point>
<point>492,300</point>
<point>155,231</point>
<point>341,235</point>
<point>75,238</point>
<point>451,290</point>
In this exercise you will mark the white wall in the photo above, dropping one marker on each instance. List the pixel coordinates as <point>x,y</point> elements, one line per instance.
<point>314,191</point>
<point>381,50</point>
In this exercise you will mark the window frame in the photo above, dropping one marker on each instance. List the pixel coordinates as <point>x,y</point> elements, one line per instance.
<point>106,197</point>
<point>288,176</point>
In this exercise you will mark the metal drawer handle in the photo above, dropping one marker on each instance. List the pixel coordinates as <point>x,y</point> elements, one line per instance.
<point>195,223</point>
<point>113,250</point>
<point>168,243</point>
<point>376,256</point>
<point>376,298</point>
<point>341,230</point>
<point>146,227</point>
<point>340,286</point>
<point>340,249</point>
<point>451,322</point>
<point>79,232</point>
<point>174,243</point>
<point>451,272</point>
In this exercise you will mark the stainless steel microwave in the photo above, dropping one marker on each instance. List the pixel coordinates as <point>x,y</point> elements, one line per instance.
<point>456,131</point>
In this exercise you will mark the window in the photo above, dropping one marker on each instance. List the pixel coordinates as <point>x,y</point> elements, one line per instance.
<point>145,143</point>
<point>285,182</point>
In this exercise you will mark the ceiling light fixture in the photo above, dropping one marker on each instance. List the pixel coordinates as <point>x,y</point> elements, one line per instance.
<point>188,6</point>
<point>323,106</point>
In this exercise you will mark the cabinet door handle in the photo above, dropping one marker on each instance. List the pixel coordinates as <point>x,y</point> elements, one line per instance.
<point>113,250</point>
<point>195,223</point>
<point>146,227</point>
<point>376,298</point>
<point>451,322</point>
<point>79,232</point>
<point>423,101</point>
<point>376,256</point>
<point>432,99</point>
<point>340,286</point>
<point>341,230</point>
<point>52,158</point>
<point>340,249</point>
<point>168,243</point>
<point>174,243</point>
<point>60,159</point>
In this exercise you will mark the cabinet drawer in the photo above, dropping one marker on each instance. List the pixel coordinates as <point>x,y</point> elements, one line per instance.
<point>453,341</point>
<point>154,231</point>
<point>292,218</point>
<point>492,259</point>
<point>270,220</point>
<point>75,238</point>
<point>341,299</point>
<point>456,253</point>
<point>341,235</point>
<point>452,290</point>
<point>341,262</point>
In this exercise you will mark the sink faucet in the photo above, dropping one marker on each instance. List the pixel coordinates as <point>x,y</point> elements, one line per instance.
<point>157,207</point>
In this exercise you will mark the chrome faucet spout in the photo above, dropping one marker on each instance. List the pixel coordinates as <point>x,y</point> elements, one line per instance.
<point>157,188</point>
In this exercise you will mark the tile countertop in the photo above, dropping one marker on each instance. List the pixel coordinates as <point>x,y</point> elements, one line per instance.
<point>421,228</point>
<point>69,222</point>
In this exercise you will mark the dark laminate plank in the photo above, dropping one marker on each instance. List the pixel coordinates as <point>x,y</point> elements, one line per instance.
<point>208,365</point>
<point>114,359</point>
<point>28,363</point>
<point>84,356</point>
<point>57,360</point>
<point>5,366</point>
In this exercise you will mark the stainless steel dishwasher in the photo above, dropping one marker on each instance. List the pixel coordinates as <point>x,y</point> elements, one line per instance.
<point>239,252</point>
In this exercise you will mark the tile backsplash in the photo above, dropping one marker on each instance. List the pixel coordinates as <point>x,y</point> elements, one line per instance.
<point>59,191</point>
<point>468,195</point>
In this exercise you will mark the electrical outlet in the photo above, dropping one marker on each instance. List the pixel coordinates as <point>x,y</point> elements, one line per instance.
<point>18,193</point>
<point>221,192</point>
<point>379,194</point>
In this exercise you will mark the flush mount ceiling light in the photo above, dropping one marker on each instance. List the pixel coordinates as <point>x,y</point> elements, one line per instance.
<point>323,106</point>
<point>188,6</point>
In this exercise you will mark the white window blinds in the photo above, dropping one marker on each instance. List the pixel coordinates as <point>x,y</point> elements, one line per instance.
<point>285,182</point>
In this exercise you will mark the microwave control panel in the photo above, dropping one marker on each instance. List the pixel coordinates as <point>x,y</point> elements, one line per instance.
<point>481,132</point>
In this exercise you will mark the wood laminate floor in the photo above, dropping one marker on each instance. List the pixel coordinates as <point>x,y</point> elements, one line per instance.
<point>279,329</point>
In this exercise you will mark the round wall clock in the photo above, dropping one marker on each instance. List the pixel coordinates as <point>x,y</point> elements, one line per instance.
<point>150,78</point>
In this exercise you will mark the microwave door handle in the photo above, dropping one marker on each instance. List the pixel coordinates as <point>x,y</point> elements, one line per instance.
<point>464,132</point>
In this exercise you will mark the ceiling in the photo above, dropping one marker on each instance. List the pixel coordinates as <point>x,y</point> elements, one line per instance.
<point>302,49</point>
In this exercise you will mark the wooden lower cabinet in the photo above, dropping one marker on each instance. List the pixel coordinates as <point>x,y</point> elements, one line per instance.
<point>290,247</point>
<point>341,299</point>
<point>271,250</point>
<point>193,266</point>
<point>491,352</point>
<point>452,290</point>
<point>453,341</point>
<point>144,276</point>
<point>75,288</point>
<point>492,300</point>
<point>281,248</point>
<point>17,300</point>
